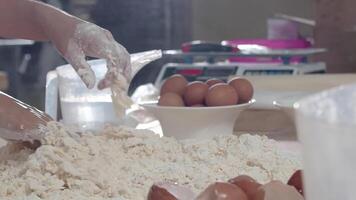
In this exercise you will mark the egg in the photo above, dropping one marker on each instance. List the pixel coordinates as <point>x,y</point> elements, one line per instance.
<point>243,88</point>
<point>195,93</point>
<point>276,190</point>
<point>222,191</point>
<point>169,191</point>
<point>221,94</point>
<point>171,99</point>
<point>247,184</point>
<point>213,81</point>
<point>174,84</point>
<point>296,181</point>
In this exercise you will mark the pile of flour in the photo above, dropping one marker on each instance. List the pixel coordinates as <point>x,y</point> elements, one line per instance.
<point>121,163</point>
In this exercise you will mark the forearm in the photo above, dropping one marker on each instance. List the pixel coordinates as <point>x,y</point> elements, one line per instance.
<point>33,20</point>
<point>74,38</point>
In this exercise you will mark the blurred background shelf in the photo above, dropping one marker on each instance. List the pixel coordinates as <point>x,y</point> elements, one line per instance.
<point>3,81</point>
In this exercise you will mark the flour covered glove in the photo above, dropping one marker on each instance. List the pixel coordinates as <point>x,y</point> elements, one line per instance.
<point>91,40</point>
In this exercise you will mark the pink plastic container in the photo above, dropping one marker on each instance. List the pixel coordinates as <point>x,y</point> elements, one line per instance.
<point>271,44</point>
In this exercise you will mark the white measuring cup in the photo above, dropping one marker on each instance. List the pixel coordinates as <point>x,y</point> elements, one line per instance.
<point>326,124</point>
<point>88,109</point>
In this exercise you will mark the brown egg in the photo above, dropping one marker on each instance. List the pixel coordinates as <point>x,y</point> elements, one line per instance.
<point>195,93</point>
<point>247,184</point>
<point>243,88</point>
<point>221,94</point>
<point>296,181</point>
<point>213,81</point>
<point>174,84</point>
<point>169,191</point>
<point>222,191</point>
<point>171,99</point>
<point>276,190</point>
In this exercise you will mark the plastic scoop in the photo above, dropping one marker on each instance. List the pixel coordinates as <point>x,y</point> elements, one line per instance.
<point>119,88</point>
<point>326,124</point>
<point>23,123</point>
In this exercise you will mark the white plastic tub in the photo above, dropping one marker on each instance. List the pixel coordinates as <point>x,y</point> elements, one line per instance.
<point>326,124</point>
<point>87,109</point>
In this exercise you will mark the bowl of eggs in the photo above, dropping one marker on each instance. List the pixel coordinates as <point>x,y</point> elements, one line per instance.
<point>200,109</point>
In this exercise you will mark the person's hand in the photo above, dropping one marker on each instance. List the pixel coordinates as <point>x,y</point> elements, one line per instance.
<point>19,121</point>
<point>89,39</point>
<point>74,38</point>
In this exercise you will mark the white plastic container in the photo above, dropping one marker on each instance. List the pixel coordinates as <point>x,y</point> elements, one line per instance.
<point>87,109</point>
<point>196,122</point>
<point>282,29</point>
<point>326,124</point>
<point>81,106</point>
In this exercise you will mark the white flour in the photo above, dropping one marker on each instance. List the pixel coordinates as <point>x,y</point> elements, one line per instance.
<point>121,163</point>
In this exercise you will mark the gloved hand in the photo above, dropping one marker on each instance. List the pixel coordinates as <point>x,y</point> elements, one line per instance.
<point>74,38</point>
<point>88,39</point>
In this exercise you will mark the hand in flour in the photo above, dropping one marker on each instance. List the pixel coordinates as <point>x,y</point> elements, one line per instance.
<point>90,40</point>
<point>74,38</point>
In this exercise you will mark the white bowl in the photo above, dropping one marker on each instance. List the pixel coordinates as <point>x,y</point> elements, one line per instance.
<point>286,103</point>
<point>196,122</point>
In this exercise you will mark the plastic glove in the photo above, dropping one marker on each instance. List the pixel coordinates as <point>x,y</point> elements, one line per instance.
<point>74,38</point>
<point>90,40</point>
<point>19,121</point>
